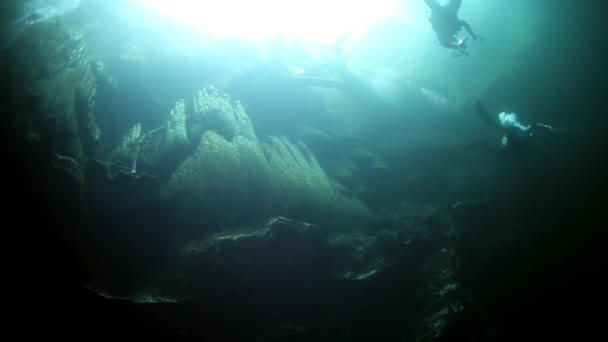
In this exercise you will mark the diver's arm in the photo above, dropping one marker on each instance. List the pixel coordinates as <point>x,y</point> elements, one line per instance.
<point>451,46</point>
<point>541,127</point>
<point>468,28</point>
<point>448,42</point>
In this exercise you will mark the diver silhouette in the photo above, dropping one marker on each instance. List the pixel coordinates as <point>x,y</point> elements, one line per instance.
<point>446,24</point>
<point>516,136</point>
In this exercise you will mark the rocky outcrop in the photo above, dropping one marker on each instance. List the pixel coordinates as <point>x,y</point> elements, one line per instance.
<point>176,133</point>
<point>351,166</point>
<point>285,279</point>
<point>127,152</point>
<point>216,111</point>
<point>57,88</point>
<point>231,176</point>
<point>299,176</point>
<point>223,178</point>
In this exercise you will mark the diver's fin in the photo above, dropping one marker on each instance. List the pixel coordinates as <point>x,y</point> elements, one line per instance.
<point>434,5</point>
<point>483,113</point>
<point>453,6</point>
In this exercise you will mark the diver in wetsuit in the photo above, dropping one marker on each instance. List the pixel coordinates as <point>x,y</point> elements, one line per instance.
<point>516,136</point>
<point>446,24</point>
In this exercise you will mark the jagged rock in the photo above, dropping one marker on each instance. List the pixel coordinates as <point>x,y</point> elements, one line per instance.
<point>447,297</point>
<point>252,255</point>
<point>129,139</point>
<point>299,175</point>
<point>287,266</point>
<point>176,133</point>
<point>126,153</point>
<point>104,78</point>
<point>308,191</point>
<point>285,273</point>
<point>344,159</point>
<point>215,111</point>
<point>279,240</point>
<point>230,174</point>
<point>223,181</point>
<point>57,90</point>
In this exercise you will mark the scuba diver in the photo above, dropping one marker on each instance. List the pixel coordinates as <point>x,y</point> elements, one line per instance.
<point>446,24</point>
<point>516,136</point>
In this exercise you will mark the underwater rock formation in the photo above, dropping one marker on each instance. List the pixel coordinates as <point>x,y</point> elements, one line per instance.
<point>127,151</point>
<point>222,178</point>
<point>226,174</point>
<point>215,111</point>
<point>176,133</point>
<point>283,273</point>
<point>54,97</point>
<point>215,171</point>
<point>296,171</point>
<point>230,173</point>
<point>351,166</point>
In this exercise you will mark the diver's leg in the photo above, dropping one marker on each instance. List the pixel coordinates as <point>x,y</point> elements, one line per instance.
<point>433,4</point>
<point>453,6</point>
<point>448,42</point>
<point>468,28</point>
<point>451,46</point>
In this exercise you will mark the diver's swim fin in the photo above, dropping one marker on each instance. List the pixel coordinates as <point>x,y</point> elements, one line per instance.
<point>453,6</point>
<point>483,113</point>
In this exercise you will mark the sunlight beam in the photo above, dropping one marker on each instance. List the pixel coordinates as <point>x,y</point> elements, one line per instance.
<point>311,20</point>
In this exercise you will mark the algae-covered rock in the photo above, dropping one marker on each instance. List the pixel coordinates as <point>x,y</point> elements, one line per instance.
<point>211,166</point>
<point>215,111</point>
<point>57,89</point>
<point>230,175</point>
<point>218,164</point>
<point>296,167</point>
<point>176,133</point>
<point>126,155</point>
<point>300,177</point>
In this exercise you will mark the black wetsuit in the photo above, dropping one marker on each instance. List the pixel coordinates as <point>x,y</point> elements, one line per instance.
<point>446,23</point>
<point>515,141</point>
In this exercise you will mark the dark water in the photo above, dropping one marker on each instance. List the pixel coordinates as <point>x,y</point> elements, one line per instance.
<point>529,248</point>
